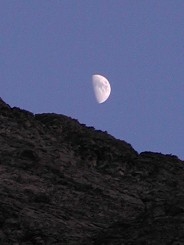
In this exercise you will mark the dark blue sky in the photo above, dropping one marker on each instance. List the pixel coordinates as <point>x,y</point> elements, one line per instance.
<point>50,49</point>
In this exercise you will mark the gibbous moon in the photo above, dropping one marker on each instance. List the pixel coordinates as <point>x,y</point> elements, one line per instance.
<point>102,88</point>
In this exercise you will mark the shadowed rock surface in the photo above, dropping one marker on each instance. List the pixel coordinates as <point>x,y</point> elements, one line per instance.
<point>62,182</point>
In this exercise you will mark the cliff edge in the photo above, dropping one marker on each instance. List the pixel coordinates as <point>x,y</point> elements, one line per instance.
<point>62,182</point>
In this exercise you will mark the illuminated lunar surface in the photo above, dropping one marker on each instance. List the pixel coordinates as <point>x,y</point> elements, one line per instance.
<point>102,88</point>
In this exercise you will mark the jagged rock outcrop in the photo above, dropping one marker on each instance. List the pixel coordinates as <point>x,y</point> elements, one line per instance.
<point>62,182</point>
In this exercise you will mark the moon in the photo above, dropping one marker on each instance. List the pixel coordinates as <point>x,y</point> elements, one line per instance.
<point>101,87</point>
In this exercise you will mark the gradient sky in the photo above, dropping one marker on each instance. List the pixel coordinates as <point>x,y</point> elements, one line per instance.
<point>50,49</point>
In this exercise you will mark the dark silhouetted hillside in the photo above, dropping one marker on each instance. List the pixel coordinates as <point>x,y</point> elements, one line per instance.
<point>62,182</point>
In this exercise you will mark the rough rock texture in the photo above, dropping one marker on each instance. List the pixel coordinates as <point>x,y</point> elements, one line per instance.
<point>64,183</point>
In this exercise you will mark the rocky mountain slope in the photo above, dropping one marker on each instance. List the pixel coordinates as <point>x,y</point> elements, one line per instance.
<point>64,183</point>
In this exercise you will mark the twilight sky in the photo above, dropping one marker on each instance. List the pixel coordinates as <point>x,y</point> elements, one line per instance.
<point>50,49</point>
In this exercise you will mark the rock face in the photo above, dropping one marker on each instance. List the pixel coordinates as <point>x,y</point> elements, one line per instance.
<point>64,183</point>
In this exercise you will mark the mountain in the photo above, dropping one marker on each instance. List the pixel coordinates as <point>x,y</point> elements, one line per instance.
<point>62,182</point>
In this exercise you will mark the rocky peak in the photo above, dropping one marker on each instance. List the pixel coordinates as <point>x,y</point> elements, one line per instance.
<point>3,104</point>
<point>62,182</point>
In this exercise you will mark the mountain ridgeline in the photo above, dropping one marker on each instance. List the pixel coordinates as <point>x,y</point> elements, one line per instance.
<point>62,182</point>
